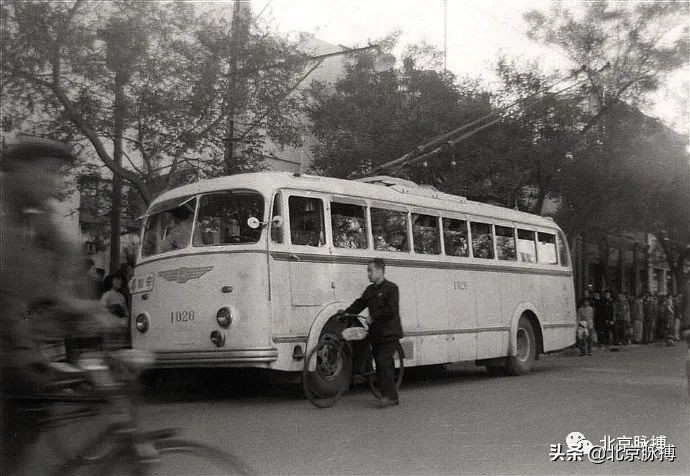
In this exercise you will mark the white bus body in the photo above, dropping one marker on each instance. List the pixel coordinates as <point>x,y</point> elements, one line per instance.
<point>282,282</point>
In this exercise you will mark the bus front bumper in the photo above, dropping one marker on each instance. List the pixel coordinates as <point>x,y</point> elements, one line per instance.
<point>258,357</point>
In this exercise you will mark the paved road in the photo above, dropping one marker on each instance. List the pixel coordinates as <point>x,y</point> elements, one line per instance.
<point>452,421</point>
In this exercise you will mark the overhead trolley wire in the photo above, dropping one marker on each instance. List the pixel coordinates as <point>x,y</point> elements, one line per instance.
<point>444,141</point>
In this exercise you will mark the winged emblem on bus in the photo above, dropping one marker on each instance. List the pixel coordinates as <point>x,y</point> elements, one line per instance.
<point>182,275</point>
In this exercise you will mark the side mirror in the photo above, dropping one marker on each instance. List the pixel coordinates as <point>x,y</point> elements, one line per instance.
<point>253,223</point>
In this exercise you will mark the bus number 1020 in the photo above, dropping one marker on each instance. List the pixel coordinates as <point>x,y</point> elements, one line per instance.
<point>182,316</point>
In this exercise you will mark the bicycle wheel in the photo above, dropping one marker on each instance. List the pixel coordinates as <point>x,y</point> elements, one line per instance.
<point>101,452</point>
<point>162,457</point>
<point>326,363</point>
<point>371,370</point>
<point>68,428</point>
<point>187,457</point>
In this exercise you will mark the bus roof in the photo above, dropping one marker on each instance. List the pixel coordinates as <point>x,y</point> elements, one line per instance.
<point>384,189</point>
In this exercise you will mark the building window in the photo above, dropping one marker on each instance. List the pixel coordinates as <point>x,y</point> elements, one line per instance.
<point>349,225</point>
<point>455,239</point>
<point>546,248</point>
<point>505,243</point>
<point>306,221</point>
<point>389,228</point>
<point>482,241</point>
<point>425,234</point>
<point>526,246</point>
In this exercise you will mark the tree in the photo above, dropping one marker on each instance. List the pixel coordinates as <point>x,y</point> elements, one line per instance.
<point>626,50</point>
<point>629,171</point>
<point>144,88</point>
<point>366,118</point>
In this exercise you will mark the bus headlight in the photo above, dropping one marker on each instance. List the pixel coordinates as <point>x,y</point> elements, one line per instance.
<point>224,317</point>
<point>142,322</point>
<point>218,338</point>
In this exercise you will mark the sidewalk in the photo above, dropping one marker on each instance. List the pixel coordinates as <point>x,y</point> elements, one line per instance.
<point>575,352</point>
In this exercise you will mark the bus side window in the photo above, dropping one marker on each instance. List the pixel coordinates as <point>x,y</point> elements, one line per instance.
<point>562,250</point>
<point>277,230</point>
<point>526,246</point>
<point>482,241</point>
<point>505,243</point>
<point>306,221</point>
<point>349,225</point>
<point>455,237</point>
<point>425,234</point>
<point>546,248</point>
<point>389,228</point>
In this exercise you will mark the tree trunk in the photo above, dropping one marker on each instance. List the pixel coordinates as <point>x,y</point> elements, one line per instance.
<point>120,109</point>
<point>240,30</point>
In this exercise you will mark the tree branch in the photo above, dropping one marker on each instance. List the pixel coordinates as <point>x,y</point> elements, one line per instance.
<point>84,128</point>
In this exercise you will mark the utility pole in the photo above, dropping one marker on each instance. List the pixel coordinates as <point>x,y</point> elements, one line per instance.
<point>241,14</point>
<point>445,34</point>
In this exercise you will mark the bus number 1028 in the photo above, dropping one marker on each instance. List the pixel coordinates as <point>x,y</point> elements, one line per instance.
<point>182,316</point>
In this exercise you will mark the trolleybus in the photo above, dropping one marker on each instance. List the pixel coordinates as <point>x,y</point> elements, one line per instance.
<point>249,270</point>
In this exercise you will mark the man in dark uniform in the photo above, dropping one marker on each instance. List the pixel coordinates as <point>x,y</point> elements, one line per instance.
<point>385,329</point>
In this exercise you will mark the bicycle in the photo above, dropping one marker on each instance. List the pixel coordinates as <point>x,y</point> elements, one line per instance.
<point>334,354</point>
<point>122,447</point>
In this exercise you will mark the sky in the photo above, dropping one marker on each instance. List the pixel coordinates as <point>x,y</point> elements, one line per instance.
<point>477,31</point>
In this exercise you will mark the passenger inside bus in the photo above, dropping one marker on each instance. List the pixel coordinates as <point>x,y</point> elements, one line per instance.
<point>306,221</point>
<point>176,228</point>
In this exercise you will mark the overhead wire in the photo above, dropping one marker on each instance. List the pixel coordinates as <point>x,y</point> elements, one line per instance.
<point>447,138</point>
<point>450,143</point>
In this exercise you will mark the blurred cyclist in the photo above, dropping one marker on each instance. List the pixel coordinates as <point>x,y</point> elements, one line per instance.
<point>36,285</point>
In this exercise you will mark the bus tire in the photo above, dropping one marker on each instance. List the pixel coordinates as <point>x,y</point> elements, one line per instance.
<point>335,376</point>
<point>526,349</point>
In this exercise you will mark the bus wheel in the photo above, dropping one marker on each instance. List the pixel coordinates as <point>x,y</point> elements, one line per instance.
<point>521,363</point>
<point>334,372</point>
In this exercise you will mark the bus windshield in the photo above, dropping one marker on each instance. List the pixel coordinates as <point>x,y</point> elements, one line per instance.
<point>222,218</point>
<point>169,227</point>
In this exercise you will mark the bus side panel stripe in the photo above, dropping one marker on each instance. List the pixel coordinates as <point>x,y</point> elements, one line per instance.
<point>410,263</point>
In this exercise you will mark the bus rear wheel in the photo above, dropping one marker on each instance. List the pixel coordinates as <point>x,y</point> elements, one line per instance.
<point>522,362</point>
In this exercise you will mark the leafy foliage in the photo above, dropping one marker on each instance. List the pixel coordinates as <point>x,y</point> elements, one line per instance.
<point>169,74</point>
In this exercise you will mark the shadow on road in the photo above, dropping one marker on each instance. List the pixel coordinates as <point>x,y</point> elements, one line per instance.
<point>189,385</point>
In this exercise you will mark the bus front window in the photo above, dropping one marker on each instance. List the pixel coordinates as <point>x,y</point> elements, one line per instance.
<point>170,228</point>
<point>222,218</point>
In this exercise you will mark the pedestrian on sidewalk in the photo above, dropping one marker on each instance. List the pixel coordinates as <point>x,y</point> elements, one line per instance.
<point>637,316</point>
<point>649,318</point>
<point>114,301</point>
<point>604,314</point>
<point>669,319</point>
<point>621,320</point>
<point>585,327</point>
<point>678,306</point>
<point>660,317</point>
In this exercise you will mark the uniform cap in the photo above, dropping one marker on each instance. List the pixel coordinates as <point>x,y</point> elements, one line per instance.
<point>34,149</point>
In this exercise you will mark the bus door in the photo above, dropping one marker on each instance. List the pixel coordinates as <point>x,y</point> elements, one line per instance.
<point>303,263</point>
